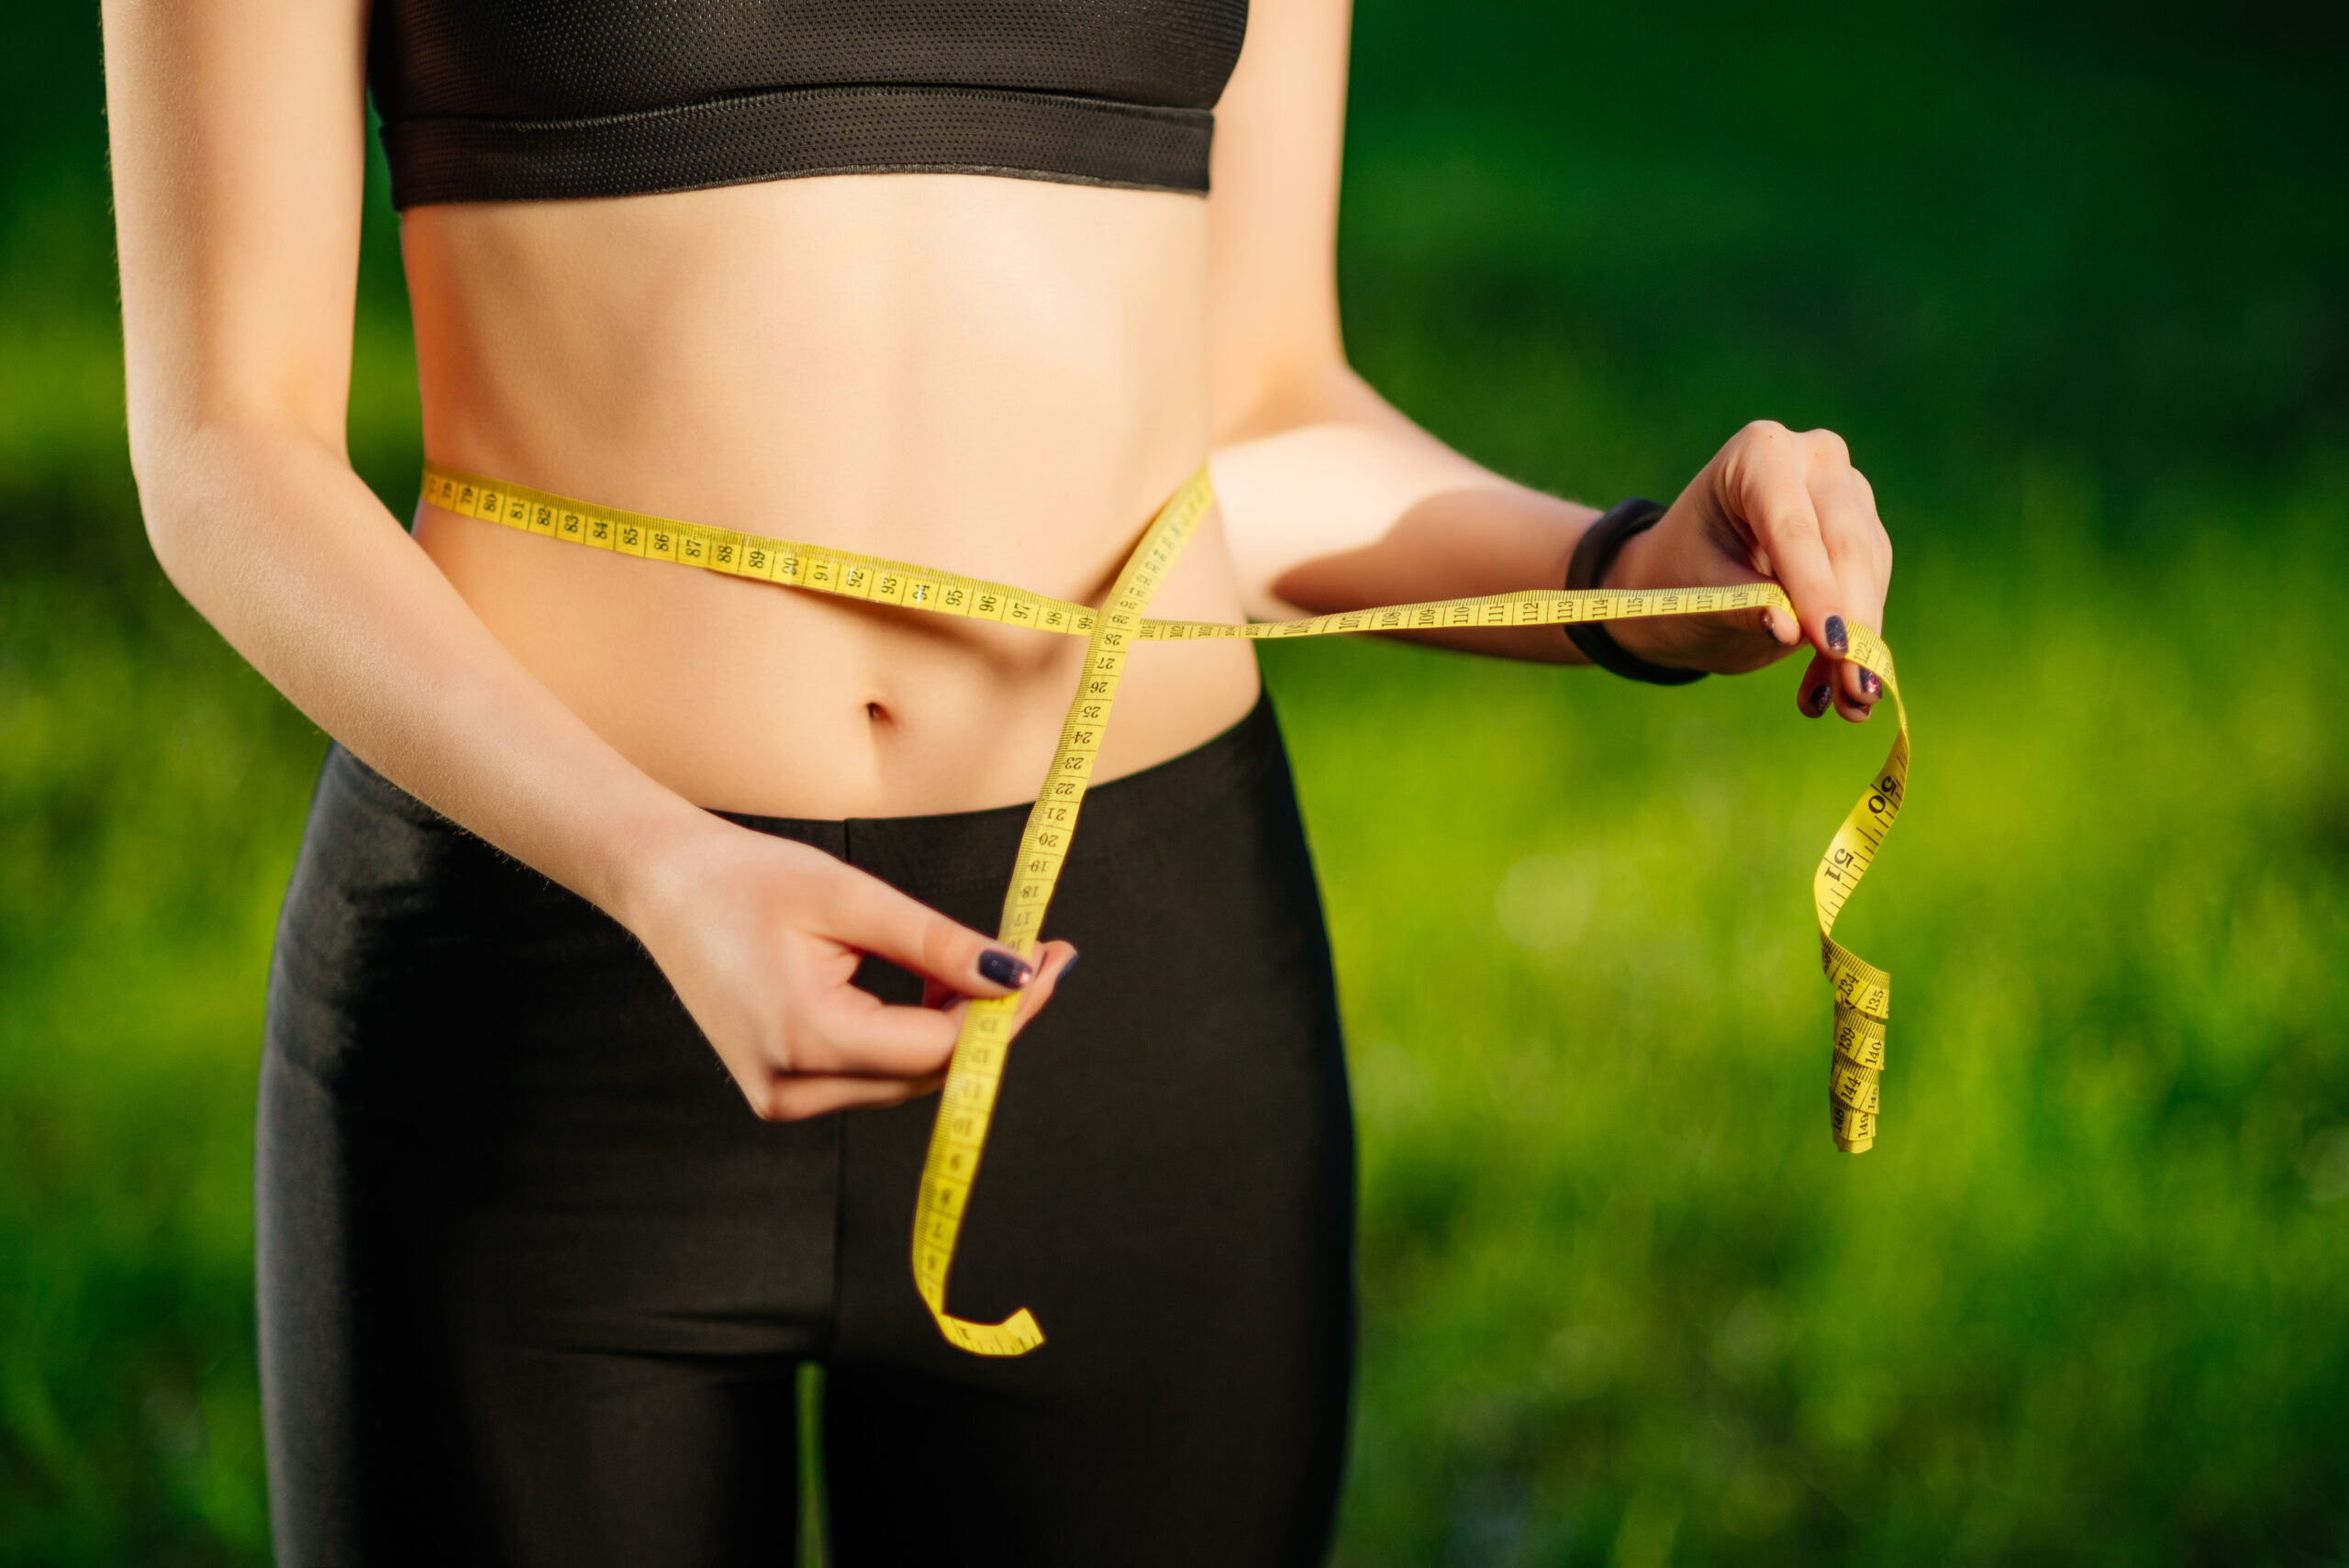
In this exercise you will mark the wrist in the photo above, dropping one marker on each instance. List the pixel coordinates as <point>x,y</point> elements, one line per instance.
<point>659,864</point>
<point>1596,560</point>
<point>1634,571</point>
<point>1629,570</point>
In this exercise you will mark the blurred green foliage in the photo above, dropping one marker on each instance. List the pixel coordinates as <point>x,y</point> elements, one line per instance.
<point>2071,278</point>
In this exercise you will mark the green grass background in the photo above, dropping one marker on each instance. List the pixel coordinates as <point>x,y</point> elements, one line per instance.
<point>2074,282</point>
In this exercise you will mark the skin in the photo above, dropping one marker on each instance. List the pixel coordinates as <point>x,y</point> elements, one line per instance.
<point>1001,377</point>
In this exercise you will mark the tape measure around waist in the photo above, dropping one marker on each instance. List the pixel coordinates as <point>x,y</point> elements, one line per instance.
<point>1862,991</point>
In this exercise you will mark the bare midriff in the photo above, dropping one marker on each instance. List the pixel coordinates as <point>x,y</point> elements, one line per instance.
<point>999,377</point>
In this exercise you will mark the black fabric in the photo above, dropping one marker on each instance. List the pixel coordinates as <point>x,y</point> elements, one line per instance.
<point>534,1281</point>
<point>502,100</point>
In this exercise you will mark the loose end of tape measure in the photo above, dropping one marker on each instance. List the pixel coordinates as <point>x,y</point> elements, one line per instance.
<point>1862,993</point>
<point>1015,1336</point>
<point>1851,1100</point>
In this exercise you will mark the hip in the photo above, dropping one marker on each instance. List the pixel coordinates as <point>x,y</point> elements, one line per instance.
<point>420,973</point>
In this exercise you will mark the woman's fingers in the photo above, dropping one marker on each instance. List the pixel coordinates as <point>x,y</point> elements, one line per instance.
<point>1812,518</point>
<point>1859,554</point>
<point>1816,695</point>
<point>1852,700</point>
<point>869,916</point>
<point>796,1097</point>
<point>852,1031</point>
<point>858,1035</point>
<point>1772,494</point>
<point>1053,961</point>
<point>1788,508</point>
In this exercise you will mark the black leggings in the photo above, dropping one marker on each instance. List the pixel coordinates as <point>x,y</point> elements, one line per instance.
<point>534,1282</point>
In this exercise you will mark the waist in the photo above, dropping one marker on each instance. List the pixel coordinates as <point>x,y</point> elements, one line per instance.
<point>751,697</point>
<point>996,377</point>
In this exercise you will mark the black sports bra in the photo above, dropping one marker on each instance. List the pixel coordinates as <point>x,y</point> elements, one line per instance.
<point>528,100</point>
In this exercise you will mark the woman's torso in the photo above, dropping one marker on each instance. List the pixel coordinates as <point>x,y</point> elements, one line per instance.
<point>1001,377</point>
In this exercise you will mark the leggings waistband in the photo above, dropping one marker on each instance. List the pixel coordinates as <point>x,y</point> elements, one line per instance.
<point>950,851</point>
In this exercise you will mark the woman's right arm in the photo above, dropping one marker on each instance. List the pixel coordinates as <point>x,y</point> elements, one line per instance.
<point>238,131</point>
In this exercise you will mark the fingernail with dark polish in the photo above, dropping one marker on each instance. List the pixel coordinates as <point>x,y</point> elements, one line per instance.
<point>1067,968</point>
<point>1000,968</point>
<point>1838,639</point>
<point>1871,685</point>
<point>1819,695</point>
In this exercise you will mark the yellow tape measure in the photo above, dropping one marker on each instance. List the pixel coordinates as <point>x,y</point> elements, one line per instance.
<point>1863,992</point>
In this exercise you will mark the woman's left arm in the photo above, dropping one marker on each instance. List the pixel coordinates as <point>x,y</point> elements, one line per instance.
<point>1336,501</point>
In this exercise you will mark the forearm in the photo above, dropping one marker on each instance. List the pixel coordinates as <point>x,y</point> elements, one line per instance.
<point>273,537</point>
<point>1336,501</point>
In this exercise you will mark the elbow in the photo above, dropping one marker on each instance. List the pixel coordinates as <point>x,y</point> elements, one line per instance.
<point>209,441</point>
<point>158,469</point>
<point>196,469</point>
<point>166,465</point>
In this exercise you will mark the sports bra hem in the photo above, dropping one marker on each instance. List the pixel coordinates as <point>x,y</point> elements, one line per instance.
<point>801,133</point>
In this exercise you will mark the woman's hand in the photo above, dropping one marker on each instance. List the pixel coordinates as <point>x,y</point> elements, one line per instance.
<point>1772,505</point>
<point>762,937</point>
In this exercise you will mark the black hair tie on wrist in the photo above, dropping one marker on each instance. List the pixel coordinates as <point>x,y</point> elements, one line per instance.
<point>1593,555</point>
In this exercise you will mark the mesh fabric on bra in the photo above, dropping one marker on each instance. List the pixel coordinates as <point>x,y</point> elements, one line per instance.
<point>490,100</point>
